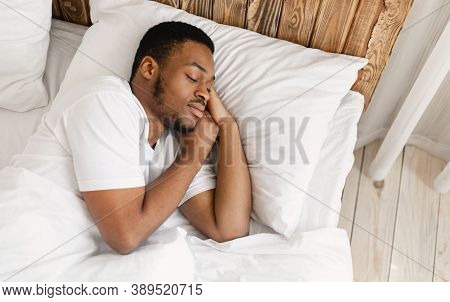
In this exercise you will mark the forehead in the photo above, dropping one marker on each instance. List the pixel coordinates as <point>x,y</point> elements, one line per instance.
<point>193,52</point>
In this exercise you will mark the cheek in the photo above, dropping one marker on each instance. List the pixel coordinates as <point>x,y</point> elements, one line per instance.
<point>179,94</point>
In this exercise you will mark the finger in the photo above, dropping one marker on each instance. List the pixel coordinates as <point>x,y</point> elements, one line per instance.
<point>206,113</point>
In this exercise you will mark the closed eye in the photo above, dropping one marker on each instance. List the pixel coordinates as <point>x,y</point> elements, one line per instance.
<point>193,80</point>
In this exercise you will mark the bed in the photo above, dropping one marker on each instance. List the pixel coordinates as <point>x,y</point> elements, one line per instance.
<point>318,251</point>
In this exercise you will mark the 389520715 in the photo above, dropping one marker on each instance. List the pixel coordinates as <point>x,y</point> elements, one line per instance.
<point>159,289</point>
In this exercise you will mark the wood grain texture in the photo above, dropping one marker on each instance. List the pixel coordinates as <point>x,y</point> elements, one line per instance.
<point>263,16</point>
<point>381,42</point>
<point>373,229</point>
<point>75,11</point>
<point>365,18</point>
<point>56,12</point>
<point>230,12</point>
<point>350,194</point>
<point>437,113</point>
<point>366,28</point>
<point>203,8</point>
<point>413,222</point>
<point>417,219</point>
<point>297,20</point>
<point>332,24</point>
<point>442,257</point>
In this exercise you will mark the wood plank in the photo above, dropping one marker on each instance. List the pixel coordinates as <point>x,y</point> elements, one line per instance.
<point>442,257</point>
<point>297,20</point>
<point>437,111</point>
<point>365,18</point>
<point>380,44</point>
<point>230,12</point>
<point>438,279</point>
<point>202,8</point>
<point>263,16</point>
<point>56,12</point>
<point>417,218</point>
<point>173,3</point>
<point>332,24</point>
<point>75,11</point>
<point>350,194</point>
<point>374,221</point>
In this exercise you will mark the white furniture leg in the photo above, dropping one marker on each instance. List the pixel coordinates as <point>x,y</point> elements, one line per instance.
<point>430,77</point>
<point>442,182</point>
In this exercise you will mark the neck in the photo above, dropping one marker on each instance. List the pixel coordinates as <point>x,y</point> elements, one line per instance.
<point>156,127</point>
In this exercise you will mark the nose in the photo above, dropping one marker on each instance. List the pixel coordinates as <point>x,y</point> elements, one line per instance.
<point>203,94</point>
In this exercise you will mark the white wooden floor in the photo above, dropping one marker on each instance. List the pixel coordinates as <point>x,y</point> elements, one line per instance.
<point>400,229</point>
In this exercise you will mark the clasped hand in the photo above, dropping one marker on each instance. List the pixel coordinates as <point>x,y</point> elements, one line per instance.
<point>197,144</point>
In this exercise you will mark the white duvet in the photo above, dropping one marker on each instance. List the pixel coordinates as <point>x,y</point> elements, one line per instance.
<point>48,235</point>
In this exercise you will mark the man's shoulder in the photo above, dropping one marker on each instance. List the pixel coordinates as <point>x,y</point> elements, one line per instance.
<point>99,84</point>
<point>91,91</point>
<point>92,87</point>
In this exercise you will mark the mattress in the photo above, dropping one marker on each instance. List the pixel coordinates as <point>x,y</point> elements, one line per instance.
<point>318,251</point>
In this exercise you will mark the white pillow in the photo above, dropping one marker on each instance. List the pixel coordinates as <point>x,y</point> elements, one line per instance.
<point>322,207</point>
<point>24,39</point>
<point>256,76</point>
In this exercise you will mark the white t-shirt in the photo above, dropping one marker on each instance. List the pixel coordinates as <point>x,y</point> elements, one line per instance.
<point>95,137</point>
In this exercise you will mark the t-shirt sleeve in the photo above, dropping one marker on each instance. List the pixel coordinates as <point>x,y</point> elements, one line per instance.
<point>204,180</point>
<point>103,134</point>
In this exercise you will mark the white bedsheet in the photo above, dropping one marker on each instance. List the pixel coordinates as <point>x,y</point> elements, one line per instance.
<point>318,251</point>
<point>48,235</point>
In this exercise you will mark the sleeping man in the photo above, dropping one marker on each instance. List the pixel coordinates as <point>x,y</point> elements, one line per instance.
<point>135,150</point>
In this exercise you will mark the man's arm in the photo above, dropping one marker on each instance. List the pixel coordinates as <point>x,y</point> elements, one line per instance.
<point>233,196</point>
<point>223,214</point>
<point>126,217</point>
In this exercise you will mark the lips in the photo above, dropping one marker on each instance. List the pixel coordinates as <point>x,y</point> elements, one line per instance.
<point>197,109</point>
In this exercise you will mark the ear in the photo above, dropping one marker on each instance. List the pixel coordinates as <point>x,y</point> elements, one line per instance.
<point>148,67</point>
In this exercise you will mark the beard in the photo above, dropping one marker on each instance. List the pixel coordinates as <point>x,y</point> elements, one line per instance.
<point>170,118</point>
<point>159,90</point>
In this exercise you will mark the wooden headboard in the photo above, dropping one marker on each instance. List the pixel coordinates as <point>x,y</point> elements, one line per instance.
<point>364,28</point>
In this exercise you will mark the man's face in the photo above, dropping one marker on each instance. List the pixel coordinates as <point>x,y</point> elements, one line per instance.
<point>182,87</point>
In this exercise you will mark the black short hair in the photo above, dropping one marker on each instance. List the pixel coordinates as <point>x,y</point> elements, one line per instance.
<point>160,40</point>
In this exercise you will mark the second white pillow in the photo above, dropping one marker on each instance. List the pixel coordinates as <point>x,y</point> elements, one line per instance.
<point>24,40</point>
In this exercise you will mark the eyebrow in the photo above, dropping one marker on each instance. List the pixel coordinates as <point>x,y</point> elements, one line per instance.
<point>195,64</point>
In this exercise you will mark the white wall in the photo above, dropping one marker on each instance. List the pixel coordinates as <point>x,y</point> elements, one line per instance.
<point>422,29</point>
